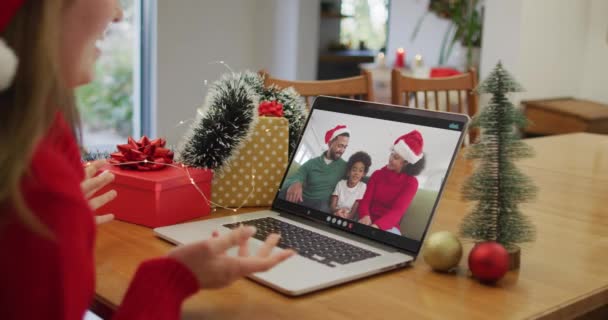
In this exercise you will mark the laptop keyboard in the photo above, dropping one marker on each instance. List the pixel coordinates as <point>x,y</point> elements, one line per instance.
<point>309,244</point>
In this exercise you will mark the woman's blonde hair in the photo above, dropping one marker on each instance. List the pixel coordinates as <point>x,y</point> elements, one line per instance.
<point>29,106</point>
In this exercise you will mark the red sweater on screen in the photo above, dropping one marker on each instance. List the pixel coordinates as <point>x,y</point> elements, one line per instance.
<point>55,279</point>
<point>387,197</point>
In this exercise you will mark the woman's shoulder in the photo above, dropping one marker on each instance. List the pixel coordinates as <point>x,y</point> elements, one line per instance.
<point>56,156</point>
<point>382,171</point>
<point>409,180</point>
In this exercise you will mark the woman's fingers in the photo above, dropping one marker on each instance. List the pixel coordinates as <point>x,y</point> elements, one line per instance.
<point>91,168</point>
<point>99,201</point>
<point>235,238</point>
<point>91,185</point>
<point>255,264</point>
<point>104,218</point>
<point>268,245</point>
<point>244,249</point>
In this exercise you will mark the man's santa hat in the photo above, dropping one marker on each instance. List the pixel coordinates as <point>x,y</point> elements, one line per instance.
<point>333,133</point>
<point>8,59</point>
<point>409,146</point>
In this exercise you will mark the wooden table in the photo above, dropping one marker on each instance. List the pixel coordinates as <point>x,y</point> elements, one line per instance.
<point>563,274</point>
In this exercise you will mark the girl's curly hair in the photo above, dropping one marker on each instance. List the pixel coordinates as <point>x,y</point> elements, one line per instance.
<point>359,156</point>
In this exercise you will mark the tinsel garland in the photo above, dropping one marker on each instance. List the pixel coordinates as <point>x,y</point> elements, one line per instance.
<point>226,120</point>
<point>229,116</point>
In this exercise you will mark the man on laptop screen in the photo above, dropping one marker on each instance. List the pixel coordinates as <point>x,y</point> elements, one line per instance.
<point>314,182</point>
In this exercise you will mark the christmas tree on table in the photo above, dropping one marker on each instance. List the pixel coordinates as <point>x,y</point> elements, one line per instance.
<point>497,185</point>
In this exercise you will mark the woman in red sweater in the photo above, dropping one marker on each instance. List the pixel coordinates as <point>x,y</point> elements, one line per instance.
<point>391,189</point>
<point>47,229</point>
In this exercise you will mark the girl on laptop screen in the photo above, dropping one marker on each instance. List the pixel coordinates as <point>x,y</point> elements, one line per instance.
<point>345,198</point>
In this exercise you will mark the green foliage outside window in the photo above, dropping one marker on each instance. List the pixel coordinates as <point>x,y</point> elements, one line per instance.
<point>364,21</point>
<point>107,101</point>
<point>106,104</point>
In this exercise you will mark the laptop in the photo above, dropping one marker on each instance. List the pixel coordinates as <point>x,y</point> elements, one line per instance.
<point>387,227</point>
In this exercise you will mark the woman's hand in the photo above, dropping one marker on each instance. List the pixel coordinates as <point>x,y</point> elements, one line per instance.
<point>375,226</point>
<point>366,220</point>
<point>215,269</point>
<point>91,184</point>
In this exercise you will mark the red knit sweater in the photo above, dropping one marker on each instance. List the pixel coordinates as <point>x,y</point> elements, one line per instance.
<point>55,279</point>
<point>387,197</point>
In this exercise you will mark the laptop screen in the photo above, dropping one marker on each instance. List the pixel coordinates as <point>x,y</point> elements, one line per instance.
<point>371,169</point>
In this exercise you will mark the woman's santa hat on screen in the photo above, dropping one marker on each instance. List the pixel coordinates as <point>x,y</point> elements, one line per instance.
<point>336,131</point>
<point>409,146</point>
<point>8,59</point>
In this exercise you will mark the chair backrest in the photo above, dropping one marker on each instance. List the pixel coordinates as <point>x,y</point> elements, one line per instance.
<point>453,94</point>
<point>359,87</point>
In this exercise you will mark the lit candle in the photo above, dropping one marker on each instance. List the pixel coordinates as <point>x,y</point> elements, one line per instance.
<point>400,60</point>
<point>380,60</point>
<point>418,60</point>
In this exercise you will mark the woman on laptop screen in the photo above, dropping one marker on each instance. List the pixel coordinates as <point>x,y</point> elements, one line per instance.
<point>390,190</point>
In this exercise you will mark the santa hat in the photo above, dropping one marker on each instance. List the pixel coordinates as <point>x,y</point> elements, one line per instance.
<point>8,59</point>
<point>409,146</point>
<point>333,133</point>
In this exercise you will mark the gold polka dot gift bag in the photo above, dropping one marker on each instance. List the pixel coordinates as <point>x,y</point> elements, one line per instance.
<point>256,169</point>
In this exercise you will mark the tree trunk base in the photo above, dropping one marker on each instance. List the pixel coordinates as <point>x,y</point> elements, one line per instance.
<point>514,258</point>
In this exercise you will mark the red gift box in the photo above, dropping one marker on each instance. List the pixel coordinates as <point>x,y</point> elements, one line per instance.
<point>158,198</point>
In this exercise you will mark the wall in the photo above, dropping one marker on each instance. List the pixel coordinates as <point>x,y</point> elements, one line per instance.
<point>501,36</point>
<point>276,41</point>
<point>308,39</point>
<point>279,35</point>
<point>286,37</point>
<point>595,60</point>
<point>554,48</point>
<point>191,34</point>
<point>404,15</point>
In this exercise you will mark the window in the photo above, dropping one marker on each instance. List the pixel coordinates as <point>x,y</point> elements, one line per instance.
<point>108,104</point>
<point>365,24</point>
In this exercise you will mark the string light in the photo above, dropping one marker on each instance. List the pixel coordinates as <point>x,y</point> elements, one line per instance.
<point>222,63</point>
<point>185,168</point>
<point>193,182</point>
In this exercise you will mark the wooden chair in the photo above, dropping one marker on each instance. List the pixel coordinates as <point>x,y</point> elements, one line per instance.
<point>404,89</point>
<point>359,87</point>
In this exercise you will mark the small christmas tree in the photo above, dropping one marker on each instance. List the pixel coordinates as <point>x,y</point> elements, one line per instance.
<point>497,185</point>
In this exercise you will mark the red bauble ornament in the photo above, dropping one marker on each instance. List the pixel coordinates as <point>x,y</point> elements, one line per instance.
<point>489,261</point>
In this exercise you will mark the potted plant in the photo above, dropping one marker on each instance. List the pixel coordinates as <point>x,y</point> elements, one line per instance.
<point>465,26</point>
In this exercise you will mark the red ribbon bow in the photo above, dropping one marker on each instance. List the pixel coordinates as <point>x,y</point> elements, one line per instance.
<point>270,109</point>
<point>147,155</point>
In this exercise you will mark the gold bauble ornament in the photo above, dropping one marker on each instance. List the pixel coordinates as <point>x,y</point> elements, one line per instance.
<point>442,251</point>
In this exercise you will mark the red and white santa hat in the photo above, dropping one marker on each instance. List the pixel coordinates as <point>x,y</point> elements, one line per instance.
<point>336,131</point>
<point>409,146</point>
<point>8,59</point>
